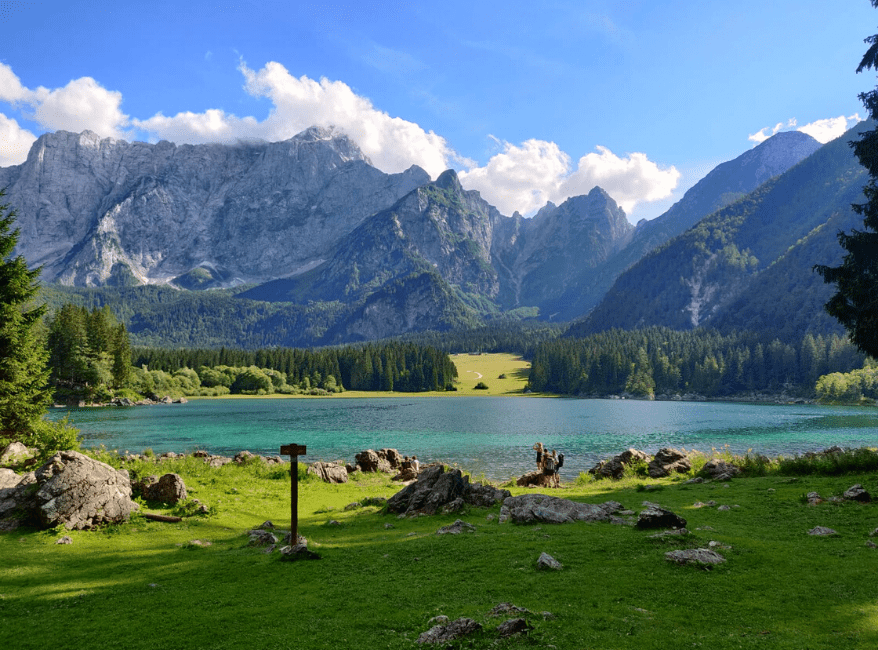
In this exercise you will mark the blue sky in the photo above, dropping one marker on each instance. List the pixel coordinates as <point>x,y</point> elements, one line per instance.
<point>528,101</point>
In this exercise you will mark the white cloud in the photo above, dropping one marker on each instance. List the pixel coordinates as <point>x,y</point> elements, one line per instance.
<point>763,134</point>
<point>81,104</point>
<point>15,142</point>
<point>11,89</point>
<point>821,130</point>
<point>830,128</point>
<point>393,144</point>
<point>520,178</point>
<point>524,178</point>
<point>629,180</point>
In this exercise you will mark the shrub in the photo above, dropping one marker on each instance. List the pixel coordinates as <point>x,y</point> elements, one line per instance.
<point>481,386</point>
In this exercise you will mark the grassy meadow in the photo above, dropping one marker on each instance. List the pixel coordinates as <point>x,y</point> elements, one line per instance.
<point>471,369</point>
<point>380,579</point>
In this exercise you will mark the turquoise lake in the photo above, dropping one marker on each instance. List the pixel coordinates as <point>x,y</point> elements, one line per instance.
<point>490,435</point>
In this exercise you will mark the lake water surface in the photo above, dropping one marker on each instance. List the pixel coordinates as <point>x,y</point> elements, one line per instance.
<point>493,435</point>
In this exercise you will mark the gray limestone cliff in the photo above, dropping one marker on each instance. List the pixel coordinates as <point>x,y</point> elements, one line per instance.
<point>96,211</point>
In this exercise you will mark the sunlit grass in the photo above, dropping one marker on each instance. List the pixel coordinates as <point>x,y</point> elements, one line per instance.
<point>143,585</point>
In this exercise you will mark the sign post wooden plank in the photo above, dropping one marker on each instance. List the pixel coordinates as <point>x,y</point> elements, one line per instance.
<point>294,451</point>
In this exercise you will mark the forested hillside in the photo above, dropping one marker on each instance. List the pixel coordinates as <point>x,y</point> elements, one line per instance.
<point>659,361</point>
<point>750,264</point>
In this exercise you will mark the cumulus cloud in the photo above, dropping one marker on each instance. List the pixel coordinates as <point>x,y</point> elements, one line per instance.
<point>15,142</point>
<point>393,144</point>
<point>821,130</point>
<point>766,132</point>
<point>519,178</point>
<point>524,178</point>
<point>82,104</point>
<point>830,128</point>
<point>11,89</point>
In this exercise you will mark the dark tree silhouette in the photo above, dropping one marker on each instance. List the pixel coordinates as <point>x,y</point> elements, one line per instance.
<point>855,303</point>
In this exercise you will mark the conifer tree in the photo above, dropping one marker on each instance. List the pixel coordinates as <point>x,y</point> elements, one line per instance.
<point>23,373</point>
<point>855,303</point>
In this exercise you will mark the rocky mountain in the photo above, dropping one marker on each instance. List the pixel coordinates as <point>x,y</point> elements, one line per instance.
<point>96,211</point>
<point>725,184</point>
<point>748,265</point>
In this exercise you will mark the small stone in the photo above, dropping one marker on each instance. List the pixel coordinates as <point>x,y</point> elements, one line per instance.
<point>679,532</point>
<point>857,493</point>
<point>389,526</point>
<point>822,531</point>
<point>512,627</point>
<point>705,528</point>
<point>869,543</point>
<point>546,562</point>
<point>438,620</point>
<point>723,508</point>
<point>266,525</point>
<point>456,528</point>
<point>352,506</point>
<point>547,616</point>
<point>695,556</point>
<point>507,608</point>
<point>693,481</point>
<point>64,540</point>
<point>490,517</point>
<point>412,534</point>
<point>771,489</point>
<point>445,633</point>
<point>874,533</point>
<point>333,522</point>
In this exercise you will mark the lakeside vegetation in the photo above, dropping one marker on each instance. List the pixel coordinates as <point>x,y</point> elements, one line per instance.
<point>779,588</point>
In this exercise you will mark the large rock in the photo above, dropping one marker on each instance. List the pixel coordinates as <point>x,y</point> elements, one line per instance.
<point>370,461</point>
<point>392,456</point>
<point>700,556</point>
<point>537,478</point>
<point>857,493</point>
<point>667,461</point>
<point>170,489</point>
<point>450,632</point>
<point>531,508</point>
<point>656,517</point>
<point>14,453</point>
<point>438,487</point>
<point>434,488</point>
<point>720,469</point>
<point>615,467</point>
<point>77,492</point>
<point>329,472</point>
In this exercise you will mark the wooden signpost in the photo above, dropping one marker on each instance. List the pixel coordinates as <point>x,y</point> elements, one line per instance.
<point>294,451</point>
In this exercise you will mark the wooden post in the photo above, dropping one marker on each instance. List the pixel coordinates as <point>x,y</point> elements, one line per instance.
<point>294,451</point>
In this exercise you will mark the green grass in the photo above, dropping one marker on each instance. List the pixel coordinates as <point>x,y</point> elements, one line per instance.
<point>143,585</point>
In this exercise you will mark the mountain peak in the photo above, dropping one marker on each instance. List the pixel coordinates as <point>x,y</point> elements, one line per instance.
<point>448,180</point>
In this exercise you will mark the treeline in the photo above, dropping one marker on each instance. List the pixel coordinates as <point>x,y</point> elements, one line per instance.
<point>401,367</point>
<point>521,337</point>
<point>850,387</point>
<point>658,360</point>
<point>89,353</point>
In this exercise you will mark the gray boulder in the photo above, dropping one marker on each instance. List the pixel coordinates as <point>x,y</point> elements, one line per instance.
<point>458,527</point>
<point>531,508</point>
<point>547,563</point>
<point>170,489</point>
<point>434,488</point>
<point>656,517</point>
<point>702,556</point>
<point>329,472</point>
<point>857,493</point>
<point>615,467</point>
<point>512,627</point>
<point>720,469</point>
<point>14,453</point>
<point>667,461</point>
<point>485,496</point>
<point>444,633</point>
<point>392,456</point>
<point>79,492</point>
<point>370,461</point>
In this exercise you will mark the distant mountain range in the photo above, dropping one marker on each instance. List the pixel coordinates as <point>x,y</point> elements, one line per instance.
<point>304,242</point>
<point>748,265</point>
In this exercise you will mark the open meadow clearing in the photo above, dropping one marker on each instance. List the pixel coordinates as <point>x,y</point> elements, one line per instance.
<point>380,579</point>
